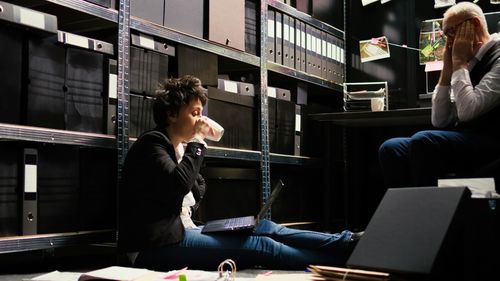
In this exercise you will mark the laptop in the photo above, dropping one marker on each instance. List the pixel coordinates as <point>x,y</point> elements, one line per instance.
<point>242,223</point>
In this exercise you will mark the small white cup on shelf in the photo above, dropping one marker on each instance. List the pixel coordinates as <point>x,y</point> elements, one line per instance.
<point>377,104</point>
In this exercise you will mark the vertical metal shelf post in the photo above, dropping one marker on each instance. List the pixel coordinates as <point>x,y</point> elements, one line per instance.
<point>122,140</point>
<point>264,108</point>
<point>123,80</point>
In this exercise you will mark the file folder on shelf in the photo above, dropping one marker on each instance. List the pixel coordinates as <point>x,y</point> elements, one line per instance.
<point>226,23</point>
<point>28,18</point>
<point>11,53</point>
<point>30,192</point>
<point>286,40</point>
<point>278,39</point>
<point>186,16</point>
<point>150,10</point>
<point>271,32</point>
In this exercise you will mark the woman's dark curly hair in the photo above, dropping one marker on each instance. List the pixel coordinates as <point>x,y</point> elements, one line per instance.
<point>172,94</point>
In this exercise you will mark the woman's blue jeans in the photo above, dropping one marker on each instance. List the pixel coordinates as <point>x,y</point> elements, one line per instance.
<point>270,245</point>
<point>420,160</point>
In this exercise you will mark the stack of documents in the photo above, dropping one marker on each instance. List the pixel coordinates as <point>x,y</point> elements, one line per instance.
<point>361,100</point>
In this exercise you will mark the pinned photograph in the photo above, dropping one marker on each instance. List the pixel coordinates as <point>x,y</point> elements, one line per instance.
<point>432,41</point>
<point>443,3</point>
<point>374,49</point>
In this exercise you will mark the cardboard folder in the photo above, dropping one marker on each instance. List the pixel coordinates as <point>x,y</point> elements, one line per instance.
<point>186,16</point>
<point>149,10</point>
<point>227,23</point>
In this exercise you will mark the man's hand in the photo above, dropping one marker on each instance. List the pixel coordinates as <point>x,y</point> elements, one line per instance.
<point>447,71</point>
<point>463,45</point>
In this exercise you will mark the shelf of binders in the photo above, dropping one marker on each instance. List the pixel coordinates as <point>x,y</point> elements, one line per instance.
<point>304,48</point>
<point>188,40</point>
<point>46,241</point>
<point>285,8</point>
<point>54,136</point>
<point>284,70</point>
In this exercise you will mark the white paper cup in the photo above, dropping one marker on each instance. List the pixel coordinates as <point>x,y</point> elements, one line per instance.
<point>377,104</point>
<point>215,132</point>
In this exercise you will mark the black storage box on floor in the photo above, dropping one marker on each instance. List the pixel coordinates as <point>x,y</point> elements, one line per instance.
<point>236,113</point>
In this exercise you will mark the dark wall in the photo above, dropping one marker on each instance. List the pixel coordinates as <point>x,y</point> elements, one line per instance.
<point>399,20</point>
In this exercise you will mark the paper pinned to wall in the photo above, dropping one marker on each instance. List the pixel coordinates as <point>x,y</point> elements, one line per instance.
<point>374,49</point>
<point>366,2</point>
<point>443,3</point>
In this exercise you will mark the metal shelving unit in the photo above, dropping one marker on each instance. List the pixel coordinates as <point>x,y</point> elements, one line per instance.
<point>88,8</point>
<point>290,72</point>
<point>121,141</point>
<point>202,44</point>
<point>54,240</point>
<point>43,135</point>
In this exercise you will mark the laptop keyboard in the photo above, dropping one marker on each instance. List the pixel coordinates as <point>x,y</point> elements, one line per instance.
<point>238,222</point>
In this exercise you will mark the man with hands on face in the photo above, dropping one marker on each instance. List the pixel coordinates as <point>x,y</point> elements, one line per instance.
<point>465,108</point>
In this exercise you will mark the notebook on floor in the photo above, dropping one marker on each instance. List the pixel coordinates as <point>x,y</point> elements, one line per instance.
<point>242,223</point>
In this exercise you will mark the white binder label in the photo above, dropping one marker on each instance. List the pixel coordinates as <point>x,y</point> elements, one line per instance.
<point>32,18</point>
<point>297,122</point>
<point>342,56</point>
<point>30,178</point>
<point>270,28</point>
<point>231,86</point>
<point>271,92</point>
<point>286,32</point>
<point>303,39</point>
<point>77,40</point>
<point>329,50</point>
<point>318,46</point>
<point>113,86</point>
<point>323,48</point>
<point>146,41</point>
<point>278,29</point>
<point>309,42</point>
<point>338,53</point>
<point>292,35</point>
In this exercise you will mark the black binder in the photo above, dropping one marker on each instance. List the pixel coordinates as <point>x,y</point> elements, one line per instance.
<point>9,180</point>
<point>285,127</point>
<point>84,95</point>
<point>30,215</point>
<point>201,64</point>
<point>111,103</point>
<point>46,72</point>
<point>11,73</point>
<point>251,26</point>
<point>140,115</point>
<point>147,68</point>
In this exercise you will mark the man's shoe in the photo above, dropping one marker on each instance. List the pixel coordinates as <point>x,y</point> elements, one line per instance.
<point>356,236</point>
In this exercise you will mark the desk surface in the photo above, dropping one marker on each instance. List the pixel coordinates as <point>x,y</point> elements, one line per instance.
<point>412,116</point>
